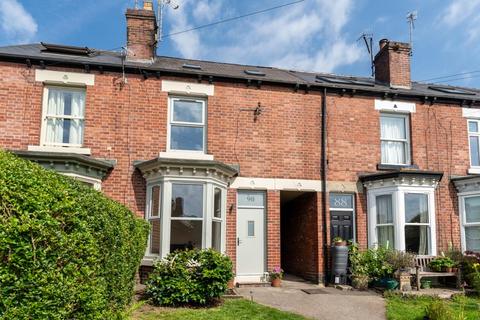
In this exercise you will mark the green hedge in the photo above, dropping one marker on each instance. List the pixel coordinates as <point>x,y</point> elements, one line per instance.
<point>66,251</point>
<point>191,277</point>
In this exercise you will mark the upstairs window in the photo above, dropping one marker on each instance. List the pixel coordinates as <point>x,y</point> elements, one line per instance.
<point>473,138</point>
<point>187,125</point>
<point>63,121</point>
<point>395,140</point>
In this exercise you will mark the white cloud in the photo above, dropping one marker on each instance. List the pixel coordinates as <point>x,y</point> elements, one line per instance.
<point>307,36</point>
<point>16,23</point>
<point>464,14</point>
<point>206,11</point>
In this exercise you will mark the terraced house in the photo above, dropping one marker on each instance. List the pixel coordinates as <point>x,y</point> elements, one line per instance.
<point>264,164</point>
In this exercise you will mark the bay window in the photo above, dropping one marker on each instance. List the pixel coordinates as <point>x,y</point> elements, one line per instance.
<point>63,116</point>
<point>395,139</point>
<point>385,223</point>
<point>402,217</point>
<point>191,216</point>
<point>187,124</point>
<point>470,222</point>
<point>185,204</point>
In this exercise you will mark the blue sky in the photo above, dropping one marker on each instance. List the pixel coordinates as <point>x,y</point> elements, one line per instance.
<point>314,35</point>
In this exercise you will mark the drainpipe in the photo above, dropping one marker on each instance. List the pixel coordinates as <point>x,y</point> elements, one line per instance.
<point>323,170</point>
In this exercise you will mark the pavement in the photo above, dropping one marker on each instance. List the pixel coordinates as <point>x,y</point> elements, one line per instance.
<point>331,304</point>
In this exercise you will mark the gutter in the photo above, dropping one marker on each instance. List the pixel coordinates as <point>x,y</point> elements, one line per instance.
<point>323,171</point>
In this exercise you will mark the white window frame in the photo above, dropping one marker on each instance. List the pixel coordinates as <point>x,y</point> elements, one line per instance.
<point>394,213</point>
<point>166,217</point>
<point>220,220</point>
<point>463,216</point>
<point>45,116</point>
<point>398,203</point>
<point>202,125</point>
<point>95,183</point>
<point>473,134</point>
<point>406,141</point>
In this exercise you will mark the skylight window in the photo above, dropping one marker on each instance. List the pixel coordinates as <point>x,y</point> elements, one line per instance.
<point>349,81</point>
<point>452,90</point>
<point>55,48</point>
<point>255,73</point>
<point>191,66</point>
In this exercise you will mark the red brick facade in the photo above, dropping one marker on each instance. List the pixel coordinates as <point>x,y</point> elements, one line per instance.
<point>128,122</point>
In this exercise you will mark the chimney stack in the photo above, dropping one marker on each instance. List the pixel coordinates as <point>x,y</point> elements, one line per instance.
<point>141,32</point>
<point>392,64</point>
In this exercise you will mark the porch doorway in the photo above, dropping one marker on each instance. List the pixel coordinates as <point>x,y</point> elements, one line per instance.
<point>251,256</point>
<point>299,234</point>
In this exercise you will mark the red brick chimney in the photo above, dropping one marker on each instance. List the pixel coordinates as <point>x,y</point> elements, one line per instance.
<point>141,32</point>
<point>392,64</point>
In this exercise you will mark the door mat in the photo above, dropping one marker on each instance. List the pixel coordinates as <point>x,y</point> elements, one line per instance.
<point>314,291</point>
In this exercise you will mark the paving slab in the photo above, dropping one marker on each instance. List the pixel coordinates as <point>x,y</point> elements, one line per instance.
<point>327,304</point>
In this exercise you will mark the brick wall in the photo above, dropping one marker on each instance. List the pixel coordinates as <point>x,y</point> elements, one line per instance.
<point>129,123</point>
<point>299,236</point>
<point>141,34</point>
<point>392,63</point>
<point>439,142</point>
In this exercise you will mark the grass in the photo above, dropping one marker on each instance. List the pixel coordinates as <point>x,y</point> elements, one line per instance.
<point>413,308</point>
<point>238,309</point>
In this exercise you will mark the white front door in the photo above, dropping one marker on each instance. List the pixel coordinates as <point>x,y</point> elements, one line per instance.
<point>250,236</point>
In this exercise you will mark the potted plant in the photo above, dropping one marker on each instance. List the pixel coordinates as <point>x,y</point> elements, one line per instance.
<point>338,241</point>
<point>402,263</point>
<point>276,276</point>
<point>442,264</point>
<point>359,268</point>
<point>426,284</point>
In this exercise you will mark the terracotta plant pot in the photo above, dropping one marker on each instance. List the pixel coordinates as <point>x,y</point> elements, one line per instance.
<point>455,270</point>
<point>231,284</point>
<point>277,282</point>
<point>447,269</point>
<point>341,243</point>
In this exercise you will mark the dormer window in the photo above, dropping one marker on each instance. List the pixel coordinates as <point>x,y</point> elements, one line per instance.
<point>187,125</point>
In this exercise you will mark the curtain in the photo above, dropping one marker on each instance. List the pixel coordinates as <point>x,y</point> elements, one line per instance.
<point>423,241</point>
<point>393,128</point>
<point>65,103</point>
<point>472,238</point>
<point>385,233</point>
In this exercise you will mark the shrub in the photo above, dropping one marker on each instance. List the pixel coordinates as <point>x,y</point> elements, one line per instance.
<point>400,260</point>
<point>470,269</point>
<point>370,262</point>
<point>193,277</point>
<point>66,251</point>
<point>439,310</point>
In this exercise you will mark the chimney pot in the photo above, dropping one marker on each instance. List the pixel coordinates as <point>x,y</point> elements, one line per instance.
<point>382,43</point>
<point>148,5</point>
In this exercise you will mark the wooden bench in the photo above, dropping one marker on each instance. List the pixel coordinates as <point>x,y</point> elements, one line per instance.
<point>422,270</point>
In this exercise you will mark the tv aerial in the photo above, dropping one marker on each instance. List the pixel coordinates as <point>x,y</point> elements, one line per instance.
<point>411,17</point>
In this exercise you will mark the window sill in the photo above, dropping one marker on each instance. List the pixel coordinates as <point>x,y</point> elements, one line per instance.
<point>84,151</point>
<point>396,166</point>
<point>474,170</point>
<point>185,155</point>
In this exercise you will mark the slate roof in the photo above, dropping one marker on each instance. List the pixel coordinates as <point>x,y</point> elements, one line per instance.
<point>109,59</point>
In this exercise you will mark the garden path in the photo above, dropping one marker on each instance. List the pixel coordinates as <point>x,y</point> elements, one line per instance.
<point>331,304</point>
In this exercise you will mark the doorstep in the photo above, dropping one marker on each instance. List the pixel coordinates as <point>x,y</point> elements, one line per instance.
<point>253,284</point>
